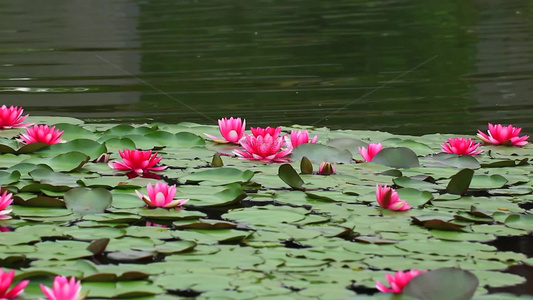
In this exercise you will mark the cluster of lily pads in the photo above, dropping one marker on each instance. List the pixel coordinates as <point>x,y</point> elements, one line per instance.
<point>247,224</point>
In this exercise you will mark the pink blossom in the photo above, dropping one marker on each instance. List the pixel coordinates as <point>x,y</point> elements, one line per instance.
<point>137,161</point>
<point>63,289</point>
<point>231,129</point>
<point>369,153</point>
<point>326,168</point>
<point>263,147</point>
<point>397,281</point>
<point>41,134</point>
<point>5,201</point>
<point>6,279</point>
<point>388,198</point>
<point>273,132</point>
<point>298,137</point>
<point>461,146</point>
<point>161,195</point>
<point>504,135</point>
<point>151,224</point>
<point>11,117</point>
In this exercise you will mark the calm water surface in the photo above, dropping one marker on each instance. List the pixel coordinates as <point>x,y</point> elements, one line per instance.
<point>410,67</point>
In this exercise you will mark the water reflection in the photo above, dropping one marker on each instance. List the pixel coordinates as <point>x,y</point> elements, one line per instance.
<point>273,63</point>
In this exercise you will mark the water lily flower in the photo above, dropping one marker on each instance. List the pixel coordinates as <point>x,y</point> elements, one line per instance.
<point>63,289</point>
<point>298,137</point>
<point>103,158</point>
<point>461,146</point>
<point>151,224</point>
<point>4,229</point>
<point>326,168</point>
<point>11,117</point>
<point>258,131</point>
<point>161,195</point>
<point>41,134</point>
<point>137,161</point>
<point>503,135</point>
<point>369,153</point>
<point>231,129</point>
<point>397,281</point>
<point>263,147</point>
<point>388,198</point>
<point>6,278</point>
<point>5,201</point>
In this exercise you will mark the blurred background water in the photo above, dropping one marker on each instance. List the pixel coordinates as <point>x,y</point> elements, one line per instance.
<point>409,67</point>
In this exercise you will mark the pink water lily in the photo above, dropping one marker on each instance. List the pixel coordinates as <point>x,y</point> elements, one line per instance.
<point>388,198</point>
<point>397,281</point>
<point>6,279</point>
<point>5,200</point>
<point>273,132</point>
<point>41,134</point>
<point>231,129</point>
<point>326,168</point>
<point>503,135</point>
<point>137,161</point>
<point>461,146</point>
<point>298,137</point>
<point>11,117</point>
<point>263,147</point>
<point>63,289</point>
<point>161,195</point>
<point>369,152</point>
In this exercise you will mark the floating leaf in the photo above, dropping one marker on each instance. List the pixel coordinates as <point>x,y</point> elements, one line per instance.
<point>443,284</point>
<point>88,201</point>
<point>454,160</point>
<point>399,157</point>
<point>318,153</point>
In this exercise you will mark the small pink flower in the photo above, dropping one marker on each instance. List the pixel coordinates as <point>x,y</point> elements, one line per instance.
<point>11,117</point>
<point>504,135</point>
<point>137,161</point>
<point>4,229</point>
<point>161,195</point>
<point>273,132</point>
<point>5,201</point>
<point>298,137</point>
<point>6,278</point>
<point>263,147</point>
<point>397,281</point>
<point>231,130</point>
<point>369,153</point>
<point>461,146</point>
<point>388,198</point>
<point>63,289</point>
<point>151,224</point>
<point>103,158</point>
<point>41,134</point>
<point>326,168</point>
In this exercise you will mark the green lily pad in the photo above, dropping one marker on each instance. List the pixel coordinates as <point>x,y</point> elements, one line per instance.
<point>398,157</point>
<point>88,201</point>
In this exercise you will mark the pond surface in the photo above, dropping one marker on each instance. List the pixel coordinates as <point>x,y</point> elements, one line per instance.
<point>409,67</point>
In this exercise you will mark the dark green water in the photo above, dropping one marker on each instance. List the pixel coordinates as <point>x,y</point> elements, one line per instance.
<point>409,67</point>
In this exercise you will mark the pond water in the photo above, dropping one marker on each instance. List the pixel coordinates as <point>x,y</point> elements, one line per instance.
<point>410,67</point>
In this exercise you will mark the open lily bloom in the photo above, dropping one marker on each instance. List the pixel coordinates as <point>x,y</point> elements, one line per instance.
<point>388,198</point>
<point>231,129</point>
<point>63,289</point>
<point>161,195</point>
<point>369,152</point>
<point>326,168</point>
<point>461,146</point>
<point>5,201</point>
<point>263,147</point>
<point>298,137</point>
<point>397,281</point>
<point>503,135</point>
<point>41,134</point>
<point>137,161</point>
<point>273,132</point>
<point>11,117</point>
<point>6,279</point>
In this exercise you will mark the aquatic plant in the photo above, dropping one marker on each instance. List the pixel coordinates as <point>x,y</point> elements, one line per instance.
<point>11,117</point>
<point>161,195</point>
<point>369,152</point>
<point>5,200</point>
<point>63,289</point>
<point>297,137</point>
<point>388,198</point>
<point>503,135</point>
<point>6,279</point>
<point>326,168</point>
<point>397,281</point>
<point>41,134</point>
<point>461,146</point>
<point>263,146</point>
<point>137,161</point>
<point>231,129</point>
<point>259,131</point>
